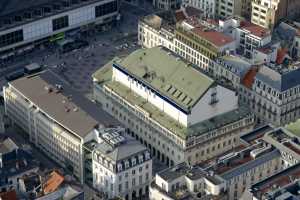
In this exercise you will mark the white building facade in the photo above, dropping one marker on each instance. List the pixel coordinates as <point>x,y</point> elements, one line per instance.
<point>46,130</point>
<point>121,166</point>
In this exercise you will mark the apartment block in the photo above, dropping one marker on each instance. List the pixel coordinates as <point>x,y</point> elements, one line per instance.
<point>188,120</point>
<point>200,44</point>
<point>267,13</point>
<point>157,29</point>
<point>120,165</point>
<point>273,93</point>
<point>208,7</point>
<point>230,69</point>
<point>230,8</point>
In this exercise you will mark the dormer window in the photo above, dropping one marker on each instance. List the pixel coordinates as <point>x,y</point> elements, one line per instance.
<point>100,160</point>
<point>147,155</point>
<point>126,164</point>
<point>133,161</point>
<point>120,167</point>
<point>141,159</point>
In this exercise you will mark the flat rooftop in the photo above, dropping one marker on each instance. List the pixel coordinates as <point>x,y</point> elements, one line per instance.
<point>182,169</point>
<point>271,185</point>
<point>218,39</point>
<point>254,29</point>
<point>104,75</point>
<point>252,136</point>
<point>167,74</point>
<point>163,19</point>
<point>237,162</point>
<point>66,106</point>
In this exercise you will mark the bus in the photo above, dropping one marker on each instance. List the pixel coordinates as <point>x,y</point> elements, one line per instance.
<point>32,68</point>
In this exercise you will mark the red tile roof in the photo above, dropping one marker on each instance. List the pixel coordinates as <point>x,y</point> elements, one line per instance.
<point>53,182</point>
<point>216,38</point>
<point>265,50</point>
<point>255,29</point>
<point>179,15</point>
<point>281,53</point>
<point>10,195</point>
<point>248,79</point>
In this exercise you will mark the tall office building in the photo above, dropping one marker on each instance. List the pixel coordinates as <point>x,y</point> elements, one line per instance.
<point>55,117</point>
<point>35,22</point>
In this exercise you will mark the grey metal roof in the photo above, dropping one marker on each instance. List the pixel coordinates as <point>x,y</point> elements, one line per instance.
<point>68,107</point>
<point>250,165</point>
<point>193,173</point>
<point>126,149</point>
<point>235,64</point>
<point>179,170</point>
<point>279,81</point>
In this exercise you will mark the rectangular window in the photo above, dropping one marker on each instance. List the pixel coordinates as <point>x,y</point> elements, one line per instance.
<point>11,38</point>
<point>61,22</point>
<point>106,8</point>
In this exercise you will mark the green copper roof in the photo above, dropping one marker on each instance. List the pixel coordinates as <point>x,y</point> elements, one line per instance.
<point>168,74</point>
<point>162,118</point>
